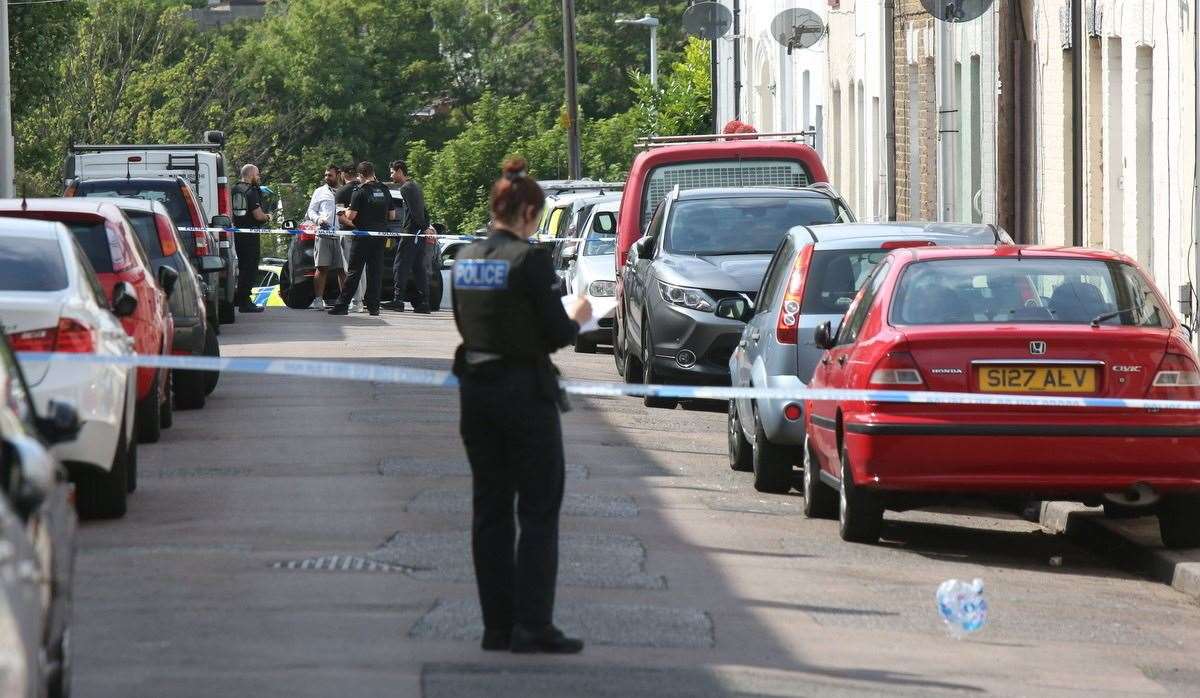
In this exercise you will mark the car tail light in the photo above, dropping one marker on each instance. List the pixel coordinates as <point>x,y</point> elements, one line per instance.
<point>224,197</point>
<point>69,336</point>
<point>308,232</point>
<point>166,236</point>
<point>902,244</point>
<point>1178,378</point>
<point>896,369</point>
<point>792,412</point>
<point>787,327</point>
<point>71,190</point>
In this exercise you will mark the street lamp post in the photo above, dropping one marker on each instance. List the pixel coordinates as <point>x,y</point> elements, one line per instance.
<point>7,164</point>
<point>653,23</point>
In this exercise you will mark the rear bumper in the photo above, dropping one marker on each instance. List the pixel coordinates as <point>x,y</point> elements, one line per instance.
<point>779,429</point>
<point>711,339</point>
<point>1063,459</point>
<point>99,394</point>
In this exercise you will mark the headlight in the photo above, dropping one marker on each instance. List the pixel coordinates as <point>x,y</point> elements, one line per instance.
<point>692,298</point>
<point>602,289</point>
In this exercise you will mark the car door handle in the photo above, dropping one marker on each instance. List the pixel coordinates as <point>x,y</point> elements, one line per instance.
<point>755,335</point>
<point>842,360</point>
<point>742,344</point>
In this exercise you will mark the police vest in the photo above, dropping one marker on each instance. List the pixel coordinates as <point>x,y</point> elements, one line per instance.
<point>493,305</point>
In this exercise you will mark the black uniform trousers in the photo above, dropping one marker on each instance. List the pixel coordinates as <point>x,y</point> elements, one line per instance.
<point>411,260</point>
<point>514,442</point>
<point>249,247</point>
<point>365,253</point>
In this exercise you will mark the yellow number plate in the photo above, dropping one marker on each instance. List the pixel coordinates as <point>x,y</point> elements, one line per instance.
<point>1037,379</point>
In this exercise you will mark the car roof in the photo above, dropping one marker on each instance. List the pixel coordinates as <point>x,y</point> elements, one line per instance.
<point>1015,252</point>
<point>74,204</point>
<point>31,228</point>
<point>858,235</point>
<point>751,192</point>
<point>134,204</point>
<point>607,206</point>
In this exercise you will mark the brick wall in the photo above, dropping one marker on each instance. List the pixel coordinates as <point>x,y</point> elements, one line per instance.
<point>911,15</point>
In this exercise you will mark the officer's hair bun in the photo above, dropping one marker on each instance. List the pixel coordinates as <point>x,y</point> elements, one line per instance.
<point>515,166</point>
<point>515,192</point>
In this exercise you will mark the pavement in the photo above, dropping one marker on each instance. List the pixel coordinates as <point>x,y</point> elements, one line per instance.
<point>308,538</point>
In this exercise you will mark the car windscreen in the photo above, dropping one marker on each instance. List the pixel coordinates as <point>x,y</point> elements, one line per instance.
<point>167,194</point>
<point>147,231</point>
<point>834,277</point>
<point>31,264</point>
<point>991,291</point>
<point>93,238</point>
<point>719,173</point>
<point>742,225</point>
<point>597,245</point>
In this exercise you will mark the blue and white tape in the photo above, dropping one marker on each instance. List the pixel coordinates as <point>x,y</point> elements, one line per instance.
<point>378,373</point>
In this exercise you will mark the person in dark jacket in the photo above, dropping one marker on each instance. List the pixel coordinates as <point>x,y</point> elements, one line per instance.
<point>412,251</point>
<point>510,320</point>
<point>370,210</point>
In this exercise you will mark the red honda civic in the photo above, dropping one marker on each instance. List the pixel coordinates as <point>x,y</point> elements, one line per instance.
<point>1009,320</point>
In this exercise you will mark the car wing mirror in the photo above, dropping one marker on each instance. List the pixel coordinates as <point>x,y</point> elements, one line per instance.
<point>211,263</point>
<point>168,279</point>
<point>644,248</point>
<point>735,309</point>
<point>124,300</point>
<point>37,469</point>
<point>570,251</point>
<point>221,222</point>
<point>823,336</point>
<point>60,424</point>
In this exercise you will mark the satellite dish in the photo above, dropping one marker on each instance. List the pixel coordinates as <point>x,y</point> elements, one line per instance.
<point>956,11</point>
<point>707,20</point>
<point>797,28</point>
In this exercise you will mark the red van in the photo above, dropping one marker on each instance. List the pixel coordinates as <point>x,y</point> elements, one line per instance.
<point>693,162</point>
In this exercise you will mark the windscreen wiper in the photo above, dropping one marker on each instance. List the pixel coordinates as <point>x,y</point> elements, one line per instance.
<point>1108,316</point>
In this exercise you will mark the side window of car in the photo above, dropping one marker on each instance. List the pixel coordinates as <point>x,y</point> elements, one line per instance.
<point>90,280</point>
<point>776,276</point>
<point>857,315</point>
<point>656,221</point>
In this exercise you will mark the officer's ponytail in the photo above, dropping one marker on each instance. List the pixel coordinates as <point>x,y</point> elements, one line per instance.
<point>515,192</point>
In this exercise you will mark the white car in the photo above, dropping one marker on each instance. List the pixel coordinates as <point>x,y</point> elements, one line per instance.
<point>591,272</point>
<point>51,301</point>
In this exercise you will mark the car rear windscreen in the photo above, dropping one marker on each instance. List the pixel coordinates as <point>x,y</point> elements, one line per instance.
<point>834,277</point>
<point>31,264</point>
<point>600,245</point>
<point>147,231</point>
<point>167,194</point>
<point>990,291</point>
<point>742,225</point>
<point>93,238</point>
<point>720,173</point>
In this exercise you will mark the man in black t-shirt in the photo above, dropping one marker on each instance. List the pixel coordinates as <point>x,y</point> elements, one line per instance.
<point>343,197</point>
<point>412,252</point>
<point>247,213</point>
<point>370,209</point>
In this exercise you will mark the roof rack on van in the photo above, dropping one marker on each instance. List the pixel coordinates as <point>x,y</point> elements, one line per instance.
<point>569,185</point>
<point>807,137</point>
<point>85,148</point>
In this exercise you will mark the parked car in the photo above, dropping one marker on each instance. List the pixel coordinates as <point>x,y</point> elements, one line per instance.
<point>703,247</point>
<point>589,271</point>
<point>37,530</point>
<point>1005,320</point>
<point>702,162</point>
<point>813,277</point>
<point>195,333</point>
<point>265,292</point>
<point>117,256</point>
<point>52,301</point>
<point>181,203</point>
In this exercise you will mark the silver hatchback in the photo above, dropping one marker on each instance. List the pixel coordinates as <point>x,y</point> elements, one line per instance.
<point>813,277</point>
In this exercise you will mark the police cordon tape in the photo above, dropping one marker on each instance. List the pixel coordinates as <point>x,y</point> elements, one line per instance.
<point>296,232</point>
<point>401,375</point>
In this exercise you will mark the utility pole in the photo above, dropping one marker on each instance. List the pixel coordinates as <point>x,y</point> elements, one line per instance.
<point>574,157</point>
<point>8,168</point>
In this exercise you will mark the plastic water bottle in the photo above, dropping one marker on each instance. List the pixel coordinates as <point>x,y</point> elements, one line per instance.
<point>962,606</point>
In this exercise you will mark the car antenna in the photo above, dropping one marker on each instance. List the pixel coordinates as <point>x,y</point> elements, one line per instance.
<point>24,196</point>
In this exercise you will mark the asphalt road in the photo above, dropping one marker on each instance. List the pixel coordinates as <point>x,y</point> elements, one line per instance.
<point>308,538</point>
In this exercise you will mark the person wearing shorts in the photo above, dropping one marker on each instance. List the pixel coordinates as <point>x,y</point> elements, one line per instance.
<point>322,210</point>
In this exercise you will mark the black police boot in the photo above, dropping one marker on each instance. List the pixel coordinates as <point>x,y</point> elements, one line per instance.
<point>545,640</point>
<point>497,640</point>
<point>398,306</point>
<point>421,309</point>
<point>339,310</point>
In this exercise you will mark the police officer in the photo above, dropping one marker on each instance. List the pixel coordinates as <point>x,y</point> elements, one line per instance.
<point>510,320</point>
<point>370,209</point>
<point>247,213</point>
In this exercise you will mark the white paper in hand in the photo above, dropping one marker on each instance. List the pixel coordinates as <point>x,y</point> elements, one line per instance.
<point>590,326</point>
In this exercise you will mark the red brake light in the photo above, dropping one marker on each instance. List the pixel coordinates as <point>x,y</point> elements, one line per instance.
<point>1178,378</point>
<point>787,327</point>
<point>307,232</point>
<point>166,236</point>
<point>224,198</point>
<point>70,336</point>
<point>897,369</point>
<point>901,244</point>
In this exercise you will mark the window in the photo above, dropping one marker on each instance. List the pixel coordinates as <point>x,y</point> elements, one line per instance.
<point>167,194</point>
<point>852,327</point>
<point>992,291</point>
<point>834,277</point>
<point>147,231</point>
<point>31,264</point>
<point>777,275</point>
<point>91,284</point>
<point>99,249</point>
<point>742,225</point>
<point>720,173</point>
<point>556,218</point>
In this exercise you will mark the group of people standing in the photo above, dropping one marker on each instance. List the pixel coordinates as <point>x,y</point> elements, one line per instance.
<point>353,198</point>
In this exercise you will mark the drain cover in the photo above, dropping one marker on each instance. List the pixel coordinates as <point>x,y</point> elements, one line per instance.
<point>337,563</point>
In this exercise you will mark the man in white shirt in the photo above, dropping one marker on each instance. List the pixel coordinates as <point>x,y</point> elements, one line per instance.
<point>322,210</point>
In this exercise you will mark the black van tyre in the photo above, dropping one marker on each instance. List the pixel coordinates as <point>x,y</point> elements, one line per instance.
<point>860,516</point>
<point>299,296</point>
<point>820,500</point>
<point>191,388</point>
<point>226,312</point>
<point>741,458</point>
<point>167,410</point>
<point>772,463</point>
<point>212,348</point>
<point>1179,521</point>
<point>649,377</point>
<point>148,421</point>
<point>104,495</point>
